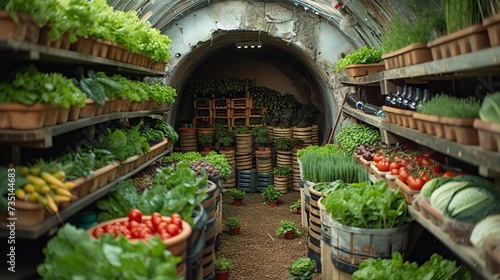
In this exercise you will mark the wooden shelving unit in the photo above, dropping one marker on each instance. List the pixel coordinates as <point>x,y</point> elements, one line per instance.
<point>469,65</point>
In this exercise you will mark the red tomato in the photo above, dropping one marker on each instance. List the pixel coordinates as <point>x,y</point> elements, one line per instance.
<point>135,215</point>
<point>415,183</point>
<point>156,220</point>
<point>109,228</point>
<point>165,235</point>
<point>161,226</point>
<point>425,161</point>
<point>149,224</point>
<point>448,174</point>
<point>383,165</point>
<point>173,229</point>
<point>155,214</point>
<point>395,165</point>
<point>176,219</point>
<point>395,171</point>
<point>424,176</point>
<point>403,174</point>
<point>377,157</point>
<point>97,232</point>
<point>133,224</point>
<point>134,232</point>
<point>436,170</point>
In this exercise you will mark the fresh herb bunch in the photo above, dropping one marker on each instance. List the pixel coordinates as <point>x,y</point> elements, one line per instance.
<point>435,268</point>
<point>241,130</point>
<point>282,170</point>
<point>363,55</point>
<point>270,194</point>
<point>205,140</point>
<point>286,226</point>
<point>283,143</point>
<point>382,207</point>
<point>160,93</point>
<point>73,253</point>
<point>225,141</point>
<point>330,168</point>
<point>223,264</point>
<point>297,204</point>
<point>302,269</point>
<point>449,106</point>
<point>457,19</point>
<point>319,151</point>
<point>328,187</point>
<point>355,135</point>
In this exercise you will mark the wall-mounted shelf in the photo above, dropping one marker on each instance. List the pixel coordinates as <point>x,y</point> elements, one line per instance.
<point>42,138</point>
<point>38,230</point>
<point>373,79</point>
<point>18,50</point>
<point>471,154</point>
<point>467,253</point>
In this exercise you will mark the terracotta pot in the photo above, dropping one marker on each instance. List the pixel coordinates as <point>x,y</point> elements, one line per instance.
<point>89,109</point>
<point>273,203</point>
<point>290,234</point>
<point>206,149</point>
<point>235,230</point>
<point>488,134</point>
<point>407,56</point>
<point>28,213</point>
<point>63,115</point>
<point>74,113</point>
<point>237,202</point>
<point>492,25</point>
<point>261,148</point>
<point>26,30</point>
<point>227,149</point>
<point>99,48</point>
<point>60,43</point>
<point>24,117</point>
<point>82,45</point>
<point>222,275</point>
<point>358,70</point>
<point>299,210</point>
<point>463,41</point>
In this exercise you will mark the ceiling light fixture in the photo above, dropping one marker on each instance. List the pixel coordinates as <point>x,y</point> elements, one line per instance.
<point>251,44</point>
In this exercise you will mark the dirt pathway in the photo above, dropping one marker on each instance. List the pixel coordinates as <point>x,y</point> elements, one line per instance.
<point>257,252</point>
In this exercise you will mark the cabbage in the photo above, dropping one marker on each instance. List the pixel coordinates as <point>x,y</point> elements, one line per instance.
<point>490,109</point>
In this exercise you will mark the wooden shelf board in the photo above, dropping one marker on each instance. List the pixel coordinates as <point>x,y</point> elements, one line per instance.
<point>33,232</point>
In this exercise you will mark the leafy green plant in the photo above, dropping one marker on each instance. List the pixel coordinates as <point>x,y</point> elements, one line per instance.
<point>382,207</point>
<point>282,170</point>
<point>302,269</point>
<point>218,160</point>
<point>205,140</point>
<point>233,221</point>
<point>329,168</point>
<point>457,19</point>
<point>286,226</point>
<point>435,268</point>
<point>28,86</point>
<point>270,194</point>
<point>241,130</point>
<point>297,204</point>
<point>490,109</point>
<point>72,253</point>
<point>297,142</point>
<point>96,85</point>
<point>283,143</point>
<point>450,106</point>
<point>319,151</point>
<point>363,55</point>
<point>237,194</point>
<point>225,141</point>
<point>355,135</point>
<point>223,264</point>
<point>160,93</point>
<point>202,167</point>
<point>220,131</point>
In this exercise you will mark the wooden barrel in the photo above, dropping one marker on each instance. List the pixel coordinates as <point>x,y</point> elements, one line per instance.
<point>210,202</point>
<point>244,143</point>
<point>296,172</point>
<point>209,249</point>
<point>314,230</point>
<point>327,266</point>
<point>284,158</point>
<point>281,183</point>
<point>282,133</point>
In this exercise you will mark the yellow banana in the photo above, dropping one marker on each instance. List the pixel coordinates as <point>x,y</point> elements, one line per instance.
<point>61,198</point>
<point>20,194</point>
<point>63,192</point>
<point>29,188</point>
<point>24,171</point>
<point>35,171</point>
<point>69,185</point>
<point>51,179</point>
<point>32,197</point>
<point>43,189</point>
<point>51,204</point>
<point>59,175</point>
<point>35,180</point>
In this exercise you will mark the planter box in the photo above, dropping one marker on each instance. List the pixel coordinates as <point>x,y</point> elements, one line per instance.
<point>400,117</point>
<point>89,109</point>
<point>464,41</point>
<point>28,213</point>
<point>429,124</point>
<point>26,30</point>
<point>410,55</point>
<point>488,134</point>
<point>128,165</point>
<point>24,117</point>
<point>102,175</point>
<point>408,193</point>
<point>358,70</point>
<point>60,43</point>
<point>492,25</point>
<point>460,130</point>
<point>82,186</point>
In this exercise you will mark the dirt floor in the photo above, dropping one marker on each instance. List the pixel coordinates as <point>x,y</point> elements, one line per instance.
<point>257,252</point>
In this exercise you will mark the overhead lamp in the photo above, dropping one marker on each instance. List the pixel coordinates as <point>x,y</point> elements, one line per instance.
<point>250,44</point>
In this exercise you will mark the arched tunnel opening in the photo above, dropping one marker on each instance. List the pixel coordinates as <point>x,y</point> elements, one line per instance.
<point>276,65</point>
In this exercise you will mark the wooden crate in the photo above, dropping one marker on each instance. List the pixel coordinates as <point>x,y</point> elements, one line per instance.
<point>256,112</point>
<point>198,120</point>
<point>203,112</point>
<point>240,122</point>
<point>241,103</point>
<point>240,113</point>
<point>224,121</point>
<point>202,104</point>
<point>221,103</point>
<point>221,113</point>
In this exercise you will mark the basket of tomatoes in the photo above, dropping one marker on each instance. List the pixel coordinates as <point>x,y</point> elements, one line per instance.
<point>173,231</point>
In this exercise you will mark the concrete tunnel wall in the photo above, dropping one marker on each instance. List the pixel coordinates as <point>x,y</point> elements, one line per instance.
<point>284,29</point>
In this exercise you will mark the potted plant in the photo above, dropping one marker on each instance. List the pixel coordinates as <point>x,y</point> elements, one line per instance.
<point>184,122</point>
<point>225,142</point>
<point>283,144</point>
<point>302,269</point>
<point>222,267</point>
<point>281,178</point>
<point>234,225</point>
<point>260,135</point>
<point>237,195</point>
<point>206,141</point>
<point>297,143</point>
<point>366,60</point>
<point>288,230</point>
<point>270,195</point>
<point>261,141</point>
<point>296,206</point>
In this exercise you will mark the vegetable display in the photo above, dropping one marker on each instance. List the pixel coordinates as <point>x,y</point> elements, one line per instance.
<point>125,143</point>
<point>74,254</point>
<point>436,268</point>
<point>302,269</point>
<point>363,55</point>
<point>450,106</point>
<point>381,207</point>
<point>488,226</point>
<point>329,168</point>
<point>219,161</point>
<point>490,108</point>
<point>355,135</point>
<point>328,149</point>
<point>174,190</point>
